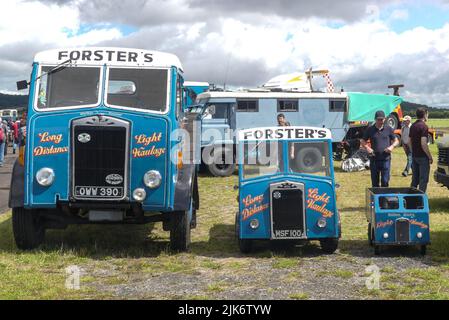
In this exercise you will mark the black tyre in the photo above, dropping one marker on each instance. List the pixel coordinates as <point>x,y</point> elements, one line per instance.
<point>219,166</point>
<point>377,250</point>
<point>28,230</point>
<point>329,245</point>
<point>392,121</point>
<point>245,245</point>
<point>180,231</point>
<point>423,250</point>
<point>309,160</point>
<point>195,202</point>
<point>370,235</point>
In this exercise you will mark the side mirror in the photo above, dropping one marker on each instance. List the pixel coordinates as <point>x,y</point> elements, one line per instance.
<point>22,85</point>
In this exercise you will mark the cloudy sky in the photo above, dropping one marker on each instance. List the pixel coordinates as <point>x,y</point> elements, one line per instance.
<point>243,43</point>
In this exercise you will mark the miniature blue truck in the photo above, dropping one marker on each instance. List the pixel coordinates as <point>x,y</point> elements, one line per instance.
<point>100,145</point>
<point>397,216</point>
<point>286,187</point>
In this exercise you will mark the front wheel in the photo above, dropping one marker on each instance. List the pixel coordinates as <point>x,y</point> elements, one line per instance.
<point>223,163</point>
<point>28,230</point>
<point>329,245</point>
<point>377,250</point>
<point>423,250</point>
<point>180,231</point>
<point>245,245</point>
<point>370,235</point>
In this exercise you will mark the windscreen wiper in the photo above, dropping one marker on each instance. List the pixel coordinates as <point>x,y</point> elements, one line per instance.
<point>23,84</point>
<point>57,68</point>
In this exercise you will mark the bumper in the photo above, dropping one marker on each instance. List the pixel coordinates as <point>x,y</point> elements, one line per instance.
<point>394,243</point>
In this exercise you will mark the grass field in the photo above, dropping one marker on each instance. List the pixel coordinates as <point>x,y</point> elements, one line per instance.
<point>133,262</point>
<point>438,123</point>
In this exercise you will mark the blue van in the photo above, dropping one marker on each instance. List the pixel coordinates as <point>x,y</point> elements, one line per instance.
<point>105,144</point>
<point>286,187</point>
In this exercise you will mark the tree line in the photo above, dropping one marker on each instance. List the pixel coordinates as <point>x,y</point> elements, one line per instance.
<point>8,101</point>
<point>409,108</point>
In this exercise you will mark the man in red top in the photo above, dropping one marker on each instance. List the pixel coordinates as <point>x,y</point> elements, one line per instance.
<point>421,157</point>
<point>15,132</point>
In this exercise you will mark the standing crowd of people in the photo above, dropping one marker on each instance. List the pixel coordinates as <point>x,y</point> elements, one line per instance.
<point>379,141</point>
<point>10,131</point>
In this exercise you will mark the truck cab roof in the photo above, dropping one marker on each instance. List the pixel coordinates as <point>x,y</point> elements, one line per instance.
<point>109,56</point>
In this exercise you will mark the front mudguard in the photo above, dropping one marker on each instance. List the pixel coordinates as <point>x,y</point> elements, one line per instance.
<point>186,188</point>
<point>17,189</point>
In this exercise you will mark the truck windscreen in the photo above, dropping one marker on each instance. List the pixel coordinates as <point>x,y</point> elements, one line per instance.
<point>138,88</point>
<point>68,87</point>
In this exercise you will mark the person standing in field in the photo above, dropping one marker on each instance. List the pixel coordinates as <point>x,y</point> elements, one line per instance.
<point>421,156</point>
<point>6,130</point>
<point>15,130</point>
<point>405,131</point>
<point>380,136</point>
<point>3,141</point>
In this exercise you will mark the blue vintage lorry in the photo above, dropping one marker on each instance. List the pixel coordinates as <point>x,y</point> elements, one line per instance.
<point>286,187</point>
<point>397,216</point>
<point>105,144</point>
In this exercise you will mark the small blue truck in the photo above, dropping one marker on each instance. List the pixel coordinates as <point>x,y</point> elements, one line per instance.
<point>286,187</point>
<point>397,216</point>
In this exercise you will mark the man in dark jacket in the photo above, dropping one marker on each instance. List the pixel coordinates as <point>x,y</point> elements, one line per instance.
<point>381,137</point>
<point>421,156</point>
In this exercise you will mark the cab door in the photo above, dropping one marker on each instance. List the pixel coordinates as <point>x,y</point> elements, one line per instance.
<point>216,125</point>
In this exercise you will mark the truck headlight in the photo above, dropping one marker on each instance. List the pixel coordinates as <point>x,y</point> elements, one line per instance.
<point>152,179</point>
<point>45,177</point>
<point>139,194</point>
<point>321,223</point>
<point>419,235</point>
<point>386,235</point>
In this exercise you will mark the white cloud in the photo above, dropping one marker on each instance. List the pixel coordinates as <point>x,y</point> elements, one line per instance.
<point>34,21</point>
<point>244,48</point>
